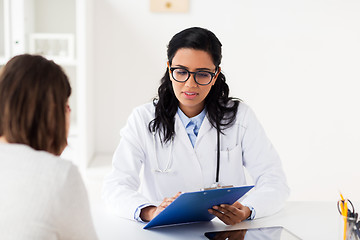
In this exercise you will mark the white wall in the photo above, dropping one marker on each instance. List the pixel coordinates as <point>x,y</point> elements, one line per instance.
<point>2,37</point>
<point>296,63</point>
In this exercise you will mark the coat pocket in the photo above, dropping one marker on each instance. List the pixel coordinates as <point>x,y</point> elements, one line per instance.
<point>231,167</point>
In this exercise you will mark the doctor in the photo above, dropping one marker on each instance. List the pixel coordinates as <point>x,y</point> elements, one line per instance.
<point>193,136</point>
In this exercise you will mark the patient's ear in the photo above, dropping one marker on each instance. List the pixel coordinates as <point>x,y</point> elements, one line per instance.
<point>3,139</point>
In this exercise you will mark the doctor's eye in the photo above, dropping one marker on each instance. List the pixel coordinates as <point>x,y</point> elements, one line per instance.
<point>181,72</point>
<point>203,75</point>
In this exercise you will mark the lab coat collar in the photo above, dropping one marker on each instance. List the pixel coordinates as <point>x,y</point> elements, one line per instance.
<point>204,129</point>
<point>181,132</point>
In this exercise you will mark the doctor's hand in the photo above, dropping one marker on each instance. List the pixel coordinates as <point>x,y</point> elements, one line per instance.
<point>231,214</point>
<point>148,213</point>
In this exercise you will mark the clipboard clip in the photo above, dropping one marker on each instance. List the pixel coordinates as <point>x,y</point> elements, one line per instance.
<point>216,186</point>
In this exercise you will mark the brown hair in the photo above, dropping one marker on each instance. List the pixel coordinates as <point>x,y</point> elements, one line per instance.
<point>33,96</point>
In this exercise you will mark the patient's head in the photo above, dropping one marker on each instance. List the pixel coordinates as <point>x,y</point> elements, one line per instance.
<point>34,107</point>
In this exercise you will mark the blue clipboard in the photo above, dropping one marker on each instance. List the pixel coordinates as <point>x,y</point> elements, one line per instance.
<point>193,206</point>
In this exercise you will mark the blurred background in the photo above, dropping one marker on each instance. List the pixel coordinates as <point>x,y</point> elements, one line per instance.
<point>296,63</point>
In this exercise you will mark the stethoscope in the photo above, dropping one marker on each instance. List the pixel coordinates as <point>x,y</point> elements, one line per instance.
<point>167,169</point>
<point>169,163</point>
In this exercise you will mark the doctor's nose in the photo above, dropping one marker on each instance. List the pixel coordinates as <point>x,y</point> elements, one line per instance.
<point>191,81</point>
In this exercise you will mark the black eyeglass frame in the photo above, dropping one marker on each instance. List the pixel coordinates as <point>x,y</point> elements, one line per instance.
<point>194,73</point>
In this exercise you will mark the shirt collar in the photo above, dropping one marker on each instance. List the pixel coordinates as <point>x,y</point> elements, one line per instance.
<point>197,120</point>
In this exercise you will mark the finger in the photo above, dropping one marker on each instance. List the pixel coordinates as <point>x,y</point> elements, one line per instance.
<point>243,208</point>
<point>234,214</point>
<point>219,209</point>
<point>167,201</point>
<point>165,204</point>
<point>177,195</point>
<point>244,211</point>
<point>226,219</point>
<point>228,210</point>
<point>161,206</point>
<point>238,205</point>
<point>158,210</point>
<point>171,199</point>
<point>238,212</point>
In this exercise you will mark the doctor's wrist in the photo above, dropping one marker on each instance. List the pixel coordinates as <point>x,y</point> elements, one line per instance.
<point>247,211</point>
<point>147,213</point>
<point>252,213</point>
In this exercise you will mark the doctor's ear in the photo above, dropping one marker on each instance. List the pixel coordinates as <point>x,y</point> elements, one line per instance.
<point>216,76</point>
<point>168,69</point>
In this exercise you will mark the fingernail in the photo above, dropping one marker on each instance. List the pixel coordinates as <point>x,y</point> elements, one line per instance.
<point>215,207</point>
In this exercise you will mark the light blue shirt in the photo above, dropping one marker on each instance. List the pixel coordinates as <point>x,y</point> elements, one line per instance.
<point>192,125</point>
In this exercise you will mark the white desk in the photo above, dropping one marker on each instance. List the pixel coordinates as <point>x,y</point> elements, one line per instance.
<point>308,220</point>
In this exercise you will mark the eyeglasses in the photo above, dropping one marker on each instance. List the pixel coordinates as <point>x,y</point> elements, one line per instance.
<point>200,77</point>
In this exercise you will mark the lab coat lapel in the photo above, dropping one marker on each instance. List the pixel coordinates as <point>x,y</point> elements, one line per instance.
<point>204,129</point>
<point>195,179</point>
<point>181,133</point>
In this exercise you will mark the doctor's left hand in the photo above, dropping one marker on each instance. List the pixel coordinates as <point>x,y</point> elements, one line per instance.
<point>231,214</point>
<point>148,213</point>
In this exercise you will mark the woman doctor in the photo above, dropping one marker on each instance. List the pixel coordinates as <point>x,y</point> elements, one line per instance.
<point>193,136</point>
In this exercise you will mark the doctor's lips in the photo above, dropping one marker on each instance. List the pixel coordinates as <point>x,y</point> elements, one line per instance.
<point>190,94</point>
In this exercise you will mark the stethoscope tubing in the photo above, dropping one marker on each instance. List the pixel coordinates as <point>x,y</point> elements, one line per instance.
<point>169,163</point>
<point>218,157</point>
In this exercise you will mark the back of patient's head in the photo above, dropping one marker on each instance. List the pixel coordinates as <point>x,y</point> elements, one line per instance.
<point>33,97</point>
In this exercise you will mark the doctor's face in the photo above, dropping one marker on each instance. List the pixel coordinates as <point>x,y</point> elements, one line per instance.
<point>190,94</point>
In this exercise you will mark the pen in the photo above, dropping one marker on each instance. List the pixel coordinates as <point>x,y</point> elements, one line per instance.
<point>342,198</point>
<point>345,218</point>
<point>342,203</point>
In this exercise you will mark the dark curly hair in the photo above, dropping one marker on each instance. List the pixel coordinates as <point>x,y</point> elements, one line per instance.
<point>221,109</point>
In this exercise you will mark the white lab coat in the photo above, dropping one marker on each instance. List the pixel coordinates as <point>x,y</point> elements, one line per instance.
<point>192,168</point>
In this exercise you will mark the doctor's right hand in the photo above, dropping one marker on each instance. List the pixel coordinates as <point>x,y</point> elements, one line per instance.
<point>148,213</point>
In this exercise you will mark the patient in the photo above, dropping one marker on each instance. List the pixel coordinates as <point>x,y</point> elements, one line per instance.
<point>41,195</point>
